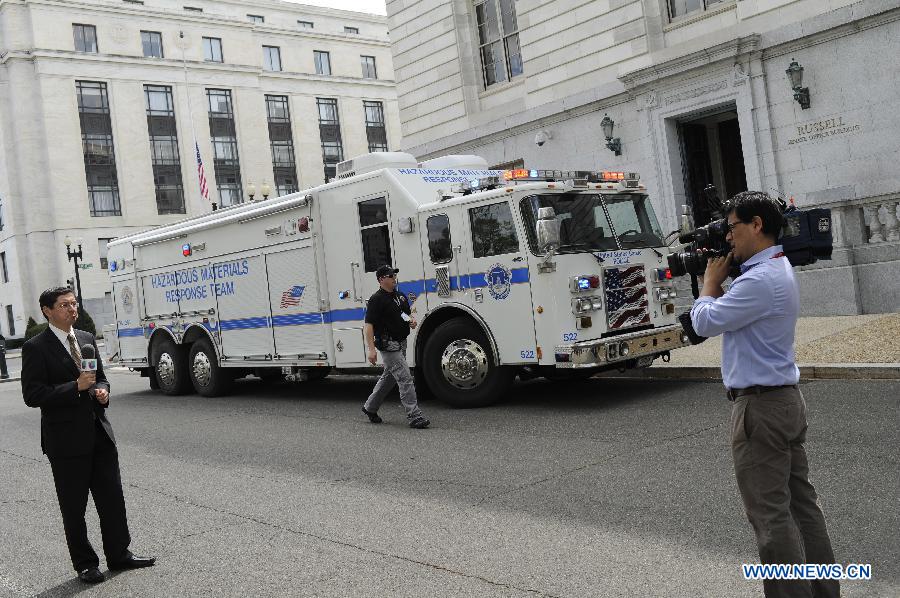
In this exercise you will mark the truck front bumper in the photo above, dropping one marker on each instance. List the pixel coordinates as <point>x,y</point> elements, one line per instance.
<point>620,348</point>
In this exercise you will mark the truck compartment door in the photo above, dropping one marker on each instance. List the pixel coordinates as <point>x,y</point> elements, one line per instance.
<point>131,341</point>
<point>242,294</point>
<point>297,321</point>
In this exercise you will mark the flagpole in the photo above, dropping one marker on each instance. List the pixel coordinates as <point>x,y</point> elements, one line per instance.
<point>191,117</point>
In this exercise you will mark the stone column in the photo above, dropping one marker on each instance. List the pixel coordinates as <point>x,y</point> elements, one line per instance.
<point>871,216</point>
<point>889,209</point>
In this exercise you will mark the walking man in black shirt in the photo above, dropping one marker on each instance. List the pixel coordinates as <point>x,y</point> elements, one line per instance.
<point>388,322</point>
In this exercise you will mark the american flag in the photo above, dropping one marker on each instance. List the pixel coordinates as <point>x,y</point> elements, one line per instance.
<point>204,190</point>
<point>626,297</point>
<point>291,297</point>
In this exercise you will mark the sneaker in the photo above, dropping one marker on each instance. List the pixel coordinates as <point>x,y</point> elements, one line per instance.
<point>374,418</point>
<point>420,423</point>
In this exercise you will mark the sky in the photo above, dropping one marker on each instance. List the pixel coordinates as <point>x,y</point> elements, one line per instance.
<point>373,6</point>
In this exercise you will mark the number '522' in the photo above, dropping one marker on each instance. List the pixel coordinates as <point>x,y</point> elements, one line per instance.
<point>527,354</point>
<point>570,336</point>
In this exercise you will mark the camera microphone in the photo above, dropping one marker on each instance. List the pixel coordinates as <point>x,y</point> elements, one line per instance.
<point>88,358</point>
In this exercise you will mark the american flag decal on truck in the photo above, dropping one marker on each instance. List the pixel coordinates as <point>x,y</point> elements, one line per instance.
<point>626,297</point>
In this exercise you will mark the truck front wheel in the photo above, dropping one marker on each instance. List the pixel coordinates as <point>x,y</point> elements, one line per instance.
<point>459,366</point>
<point>208,378</point>
<point>171,368</point>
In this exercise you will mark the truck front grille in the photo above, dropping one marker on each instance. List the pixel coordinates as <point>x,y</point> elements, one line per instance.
<point>626,297</point>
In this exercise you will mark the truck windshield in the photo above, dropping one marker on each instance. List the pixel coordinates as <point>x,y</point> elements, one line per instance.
<point>584,226</point>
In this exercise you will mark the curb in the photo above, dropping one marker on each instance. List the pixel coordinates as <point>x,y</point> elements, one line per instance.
<point>818,371</point>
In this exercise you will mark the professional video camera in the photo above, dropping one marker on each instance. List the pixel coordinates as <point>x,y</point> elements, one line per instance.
<point>805,237</point>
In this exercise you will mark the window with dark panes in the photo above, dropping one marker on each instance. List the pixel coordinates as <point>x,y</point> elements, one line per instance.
<point>98,148</point>
<point>376,238</point>
<point>439,239</point>
<point>368,67</point>
<point>225,148</point>
<point>258,19</point>
<point>164,154</point>
<point>493,230</point>
<point>376,134</point>
<point>281,138</point>
<point>104,252</point>
<point>212,49</point>
<point>193,9</point>
<point>351,30</point>
<point>330,134</point>
<point>680,8</point>
<point>498,41</point>
<point>272,58</point>
<point>152,44</point>
<point>1,213</point>
<point>85,38</point>
<point>3,265</point>
<point>305,24</point>
<point>11,320</point>
<point>323,62</point>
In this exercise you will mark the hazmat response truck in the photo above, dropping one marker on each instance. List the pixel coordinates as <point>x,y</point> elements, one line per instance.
<point>520,272</point>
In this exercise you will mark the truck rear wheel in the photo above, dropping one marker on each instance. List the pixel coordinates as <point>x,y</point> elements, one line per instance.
<point>207,376</point>
<point>460,368</point>
<point>171,368</point>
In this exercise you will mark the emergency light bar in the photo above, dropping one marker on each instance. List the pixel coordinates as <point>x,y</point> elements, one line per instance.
<point>522,175</point>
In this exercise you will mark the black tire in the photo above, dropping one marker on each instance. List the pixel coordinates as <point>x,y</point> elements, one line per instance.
<point>171,369</point>
<point>208,378</point>
<point>479,381</point>
<point>316,374</point>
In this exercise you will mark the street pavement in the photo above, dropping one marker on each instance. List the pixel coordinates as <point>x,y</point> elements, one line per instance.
<point>608,487</point>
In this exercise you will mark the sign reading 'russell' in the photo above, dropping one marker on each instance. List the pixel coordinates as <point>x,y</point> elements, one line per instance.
<point>822,129</point>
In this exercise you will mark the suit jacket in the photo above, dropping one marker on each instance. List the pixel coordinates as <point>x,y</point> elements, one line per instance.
<point>50,381</point>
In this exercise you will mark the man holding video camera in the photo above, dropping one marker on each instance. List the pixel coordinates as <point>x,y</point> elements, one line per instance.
<point>757,317</point>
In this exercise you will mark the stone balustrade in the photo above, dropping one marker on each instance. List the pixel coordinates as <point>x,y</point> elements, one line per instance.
<point>882,221</point>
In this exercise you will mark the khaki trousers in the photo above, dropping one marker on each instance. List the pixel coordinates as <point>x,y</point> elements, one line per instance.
<point>767,435</point>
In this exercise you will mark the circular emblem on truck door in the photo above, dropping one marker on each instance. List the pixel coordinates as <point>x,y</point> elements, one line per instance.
<point>499,281</point>
<point>127,299</point>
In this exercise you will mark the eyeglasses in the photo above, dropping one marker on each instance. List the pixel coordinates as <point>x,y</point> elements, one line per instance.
<point>67,305</point>
<point>389,276</point>
<point>731,225</point>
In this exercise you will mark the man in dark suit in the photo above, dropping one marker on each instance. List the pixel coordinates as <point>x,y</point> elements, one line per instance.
<point>76,436</point>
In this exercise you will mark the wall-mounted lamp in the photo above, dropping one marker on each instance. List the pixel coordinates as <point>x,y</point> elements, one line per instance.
<point>251,190</point>
<point>614,144</point>
<point>266,190</point>
<point>795,76</point>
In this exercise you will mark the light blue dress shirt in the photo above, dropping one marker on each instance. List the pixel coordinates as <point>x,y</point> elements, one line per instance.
<point>757,318</point>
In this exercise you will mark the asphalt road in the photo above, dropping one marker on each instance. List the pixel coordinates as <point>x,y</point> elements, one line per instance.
<point>600,488</point>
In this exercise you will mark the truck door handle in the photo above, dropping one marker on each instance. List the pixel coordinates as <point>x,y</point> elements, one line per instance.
<point>518,259</point>
<point>353,268</point>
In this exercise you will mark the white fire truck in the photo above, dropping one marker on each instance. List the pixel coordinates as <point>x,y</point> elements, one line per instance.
<point>528,272</point>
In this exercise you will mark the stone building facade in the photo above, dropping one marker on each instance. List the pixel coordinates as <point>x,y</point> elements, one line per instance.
<point>698,93</point>
<point>101,101</point>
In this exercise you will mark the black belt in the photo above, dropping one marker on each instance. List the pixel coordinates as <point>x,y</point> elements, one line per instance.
<point>734,393</point>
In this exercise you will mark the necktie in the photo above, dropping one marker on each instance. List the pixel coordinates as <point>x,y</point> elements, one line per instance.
<point>73,349</point>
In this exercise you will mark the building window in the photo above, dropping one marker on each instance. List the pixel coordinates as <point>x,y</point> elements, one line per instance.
<point>305,24</point>
<point>193,9</point>
<point>212,49</point>
<point>498,39</point>
<point>140,2</point>
<point>330,134</point>
<point>11,320</point>
<point>152,43</point>
<point>85,38</point>
<point>351,30</point>
<point>225,148</point>
<point>165,157</point>
<point>680,8</point>
<point>375,131</point>
<point>99,151</point>
<point>258,19</point>
<point>1,213</point>
<point>104,252</point>
<point>376,238</point>
<point>323,62</point>
<point>281,138</point>
<point>368,67</point>
<point>493,230</point>
<point>3,265</point>
<point>272,58</point>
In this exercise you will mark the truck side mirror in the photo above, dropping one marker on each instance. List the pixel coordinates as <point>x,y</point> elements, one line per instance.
<point>547,230</point>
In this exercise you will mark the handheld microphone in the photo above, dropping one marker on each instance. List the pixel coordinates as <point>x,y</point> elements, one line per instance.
<point>88,358</point>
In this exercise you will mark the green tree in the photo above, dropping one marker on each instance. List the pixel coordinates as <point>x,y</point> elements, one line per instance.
<point>85,322</point>
<point>35,330</point>
<point>30,323</point>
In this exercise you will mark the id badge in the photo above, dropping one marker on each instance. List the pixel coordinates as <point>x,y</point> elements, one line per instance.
<point>405,316</point>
